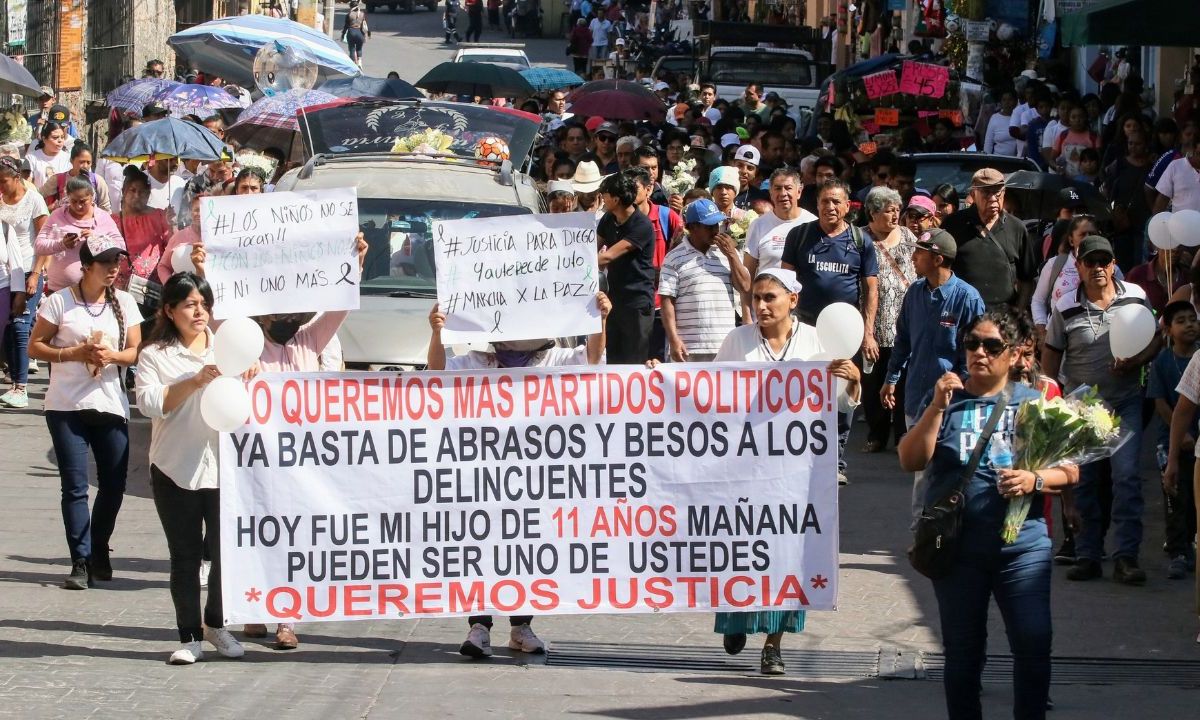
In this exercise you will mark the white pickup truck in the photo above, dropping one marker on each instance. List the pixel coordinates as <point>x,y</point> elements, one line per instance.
<point>789,72</point>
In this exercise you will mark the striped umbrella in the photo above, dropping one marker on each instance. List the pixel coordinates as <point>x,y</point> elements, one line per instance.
<point>137,94</point>
<point>544,78</point>
<point>226,47</point>
<point>203,101</point>
<point>272,122</point>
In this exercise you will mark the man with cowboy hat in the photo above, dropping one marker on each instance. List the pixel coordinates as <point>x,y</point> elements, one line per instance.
<point>995,255</point>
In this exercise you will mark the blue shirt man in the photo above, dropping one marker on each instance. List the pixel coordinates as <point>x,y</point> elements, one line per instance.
<point>934,310</point>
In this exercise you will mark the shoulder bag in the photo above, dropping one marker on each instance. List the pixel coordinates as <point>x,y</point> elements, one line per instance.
<point>935,542</point>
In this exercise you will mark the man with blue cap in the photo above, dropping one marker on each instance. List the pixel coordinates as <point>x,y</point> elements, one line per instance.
<point>697,284</point>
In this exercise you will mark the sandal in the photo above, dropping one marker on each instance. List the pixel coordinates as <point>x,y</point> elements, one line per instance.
<point>873,446</point>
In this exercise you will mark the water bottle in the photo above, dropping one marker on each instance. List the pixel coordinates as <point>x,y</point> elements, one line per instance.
<point>1000,453</point>
<point>868,366</point>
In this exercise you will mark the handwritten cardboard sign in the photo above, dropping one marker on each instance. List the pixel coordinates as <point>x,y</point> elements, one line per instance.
<point>868,148</point>
<point>887,117</point>
<point>954,116</point>
<point>977,30</point>
<point>281,252</point>
<point>518,277</point>
<point>923,79</point>
<point>881,84</point>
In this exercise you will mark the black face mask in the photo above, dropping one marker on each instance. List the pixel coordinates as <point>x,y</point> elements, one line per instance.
<point>282,331</point>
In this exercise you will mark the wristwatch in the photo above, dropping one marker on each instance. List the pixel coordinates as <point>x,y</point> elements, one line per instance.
<point>1038,482</point>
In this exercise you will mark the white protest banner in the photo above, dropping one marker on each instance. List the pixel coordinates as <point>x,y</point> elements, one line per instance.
<point>281,252</point>
<point>517,277</point>
<point>690,487</point>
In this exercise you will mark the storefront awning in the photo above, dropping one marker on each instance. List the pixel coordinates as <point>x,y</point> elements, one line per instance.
<point>1164,23</point>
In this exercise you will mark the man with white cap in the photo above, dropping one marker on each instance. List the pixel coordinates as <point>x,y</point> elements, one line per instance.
<point>746,159</point>
<point>697,284</point>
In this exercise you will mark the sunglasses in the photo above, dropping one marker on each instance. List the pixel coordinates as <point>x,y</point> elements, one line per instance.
<point>605,138</point>
<point>991,346</point>
<point>1095,261</point>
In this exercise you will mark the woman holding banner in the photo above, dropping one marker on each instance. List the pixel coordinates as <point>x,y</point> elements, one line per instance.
<point>776,336</point>
<point>540,352</point>
<point>293,344</point>
<point>175,364</point>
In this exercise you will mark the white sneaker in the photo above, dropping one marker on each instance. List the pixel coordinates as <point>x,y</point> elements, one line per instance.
<point>522,638</point>
<point>224,642</point>
<point>205,569</point>
<point>187,654</point>
<point>34,368</point>
<point>478,643</point>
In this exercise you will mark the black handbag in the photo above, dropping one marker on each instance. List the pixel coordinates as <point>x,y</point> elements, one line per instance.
<point>935,542</point>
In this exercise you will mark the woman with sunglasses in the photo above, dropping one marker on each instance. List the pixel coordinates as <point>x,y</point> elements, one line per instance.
<point>1017,575</point>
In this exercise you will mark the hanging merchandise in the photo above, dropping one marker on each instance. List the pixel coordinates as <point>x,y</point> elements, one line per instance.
<point>931,23</point>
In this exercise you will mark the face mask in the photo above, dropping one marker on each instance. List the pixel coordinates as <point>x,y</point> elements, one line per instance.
<point>519,353</point>
<point>282,331</point>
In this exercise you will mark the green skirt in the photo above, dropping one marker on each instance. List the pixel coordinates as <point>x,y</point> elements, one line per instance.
<point>766,621</point>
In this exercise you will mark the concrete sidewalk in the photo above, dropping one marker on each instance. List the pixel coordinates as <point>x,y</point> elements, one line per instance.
<point>101,653</point>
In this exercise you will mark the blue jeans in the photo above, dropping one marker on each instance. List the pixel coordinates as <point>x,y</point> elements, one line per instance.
<point>1127,502</point>
<point>16,337</point>
<point>1020,582</point>
<point>72,434</point>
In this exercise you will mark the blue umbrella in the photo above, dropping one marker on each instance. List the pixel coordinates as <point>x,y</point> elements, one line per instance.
<point>14,78</point>
<point>544,78</point>
<point>137,94</point>
<point>203,101</point>
<point>226,47</point>
<point>166,138</point>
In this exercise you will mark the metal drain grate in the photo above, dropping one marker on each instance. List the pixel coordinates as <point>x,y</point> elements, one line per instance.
<point>1086,671</point>
<point>812,664</point>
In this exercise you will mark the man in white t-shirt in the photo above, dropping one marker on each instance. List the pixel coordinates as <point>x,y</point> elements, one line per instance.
<point>1180,184</point>
<point>600,27</point>
<point>768,234</point>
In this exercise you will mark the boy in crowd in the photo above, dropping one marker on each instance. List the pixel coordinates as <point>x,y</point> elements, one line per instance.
<point>1182,327</point>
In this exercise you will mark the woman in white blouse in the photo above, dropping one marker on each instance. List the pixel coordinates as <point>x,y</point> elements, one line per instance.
<point>175,364</point>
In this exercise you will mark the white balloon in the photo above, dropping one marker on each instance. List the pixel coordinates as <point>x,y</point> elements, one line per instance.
<point>237,344</point>
<point>225,404</point>
<point>181,259</point>
<point>1185,227</point>
<point>840,330</point>
<point>1159,230</point>
<point>1132,329</point>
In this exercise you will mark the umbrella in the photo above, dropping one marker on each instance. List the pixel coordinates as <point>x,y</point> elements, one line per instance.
<point>482,79</point>
<point>616,100</point>
<point>227,46</point>
<point>365,86</point>
<point>272,122</point>
<point>136,94</point>
<point>543,78</point>
<point>168,137</point>
<point>1037,194</point>
<point>15,79</point>
<point>203,101</point>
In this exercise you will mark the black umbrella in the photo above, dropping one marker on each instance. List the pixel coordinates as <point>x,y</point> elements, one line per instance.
<point>476,79</point>
<point>14,78</point>
<point>1036,194</point>
<point>364,86</point>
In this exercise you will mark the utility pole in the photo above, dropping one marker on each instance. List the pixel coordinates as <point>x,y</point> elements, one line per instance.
<point>330,14</point>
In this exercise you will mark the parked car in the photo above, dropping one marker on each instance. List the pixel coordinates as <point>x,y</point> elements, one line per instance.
<point>510,55</point>
<point>405,5</point>
<point>400,196</point>
<point>956,168</point>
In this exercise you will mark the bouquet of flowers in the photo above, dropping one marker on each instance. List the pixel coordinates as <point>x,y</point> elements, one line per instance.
<point>256,160</point>
<point>739,227</point>
<point>14,128</point>
<point>681,179</point>
<point>1076,429</point>
<point>426,142</point>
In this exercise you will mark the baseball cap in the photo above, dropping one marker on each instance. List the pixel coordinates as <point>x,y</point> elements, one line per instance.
<point>725,175</point>
<point>660,85</point>
<point>704,212</point>
<point>154,109</point>
<point>560,186</point>
<point>606,127</point>
<point>60,114</point>
<point>775,96</point>
<point>749,154</point>
<point>47,92</point>
<point>593,123</point>
<point>921,204</point>
<point>102,248</point>
<point>620,41</point>
<point>938,241</point>
<point>987,178</point>
<point>730,139</point>
<point>1093,244</point>
<point>1070,198</point>
<point>697,141</point>
<point>742,132</point>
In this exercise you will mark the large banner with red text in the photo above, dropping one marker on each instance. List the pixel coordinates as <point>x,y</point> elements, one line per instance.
<point>530,491</point>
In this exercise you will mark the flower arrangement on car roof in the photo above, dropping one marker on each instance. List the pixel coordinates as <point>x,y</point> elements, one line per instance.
<point>425,142</point>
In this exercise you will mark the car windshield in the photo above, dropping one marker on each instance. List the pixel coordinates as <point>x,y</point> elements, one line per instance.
<point>765,68</point>
<point>933,172</point>
<point>503,59</point>
<point>400,259</point>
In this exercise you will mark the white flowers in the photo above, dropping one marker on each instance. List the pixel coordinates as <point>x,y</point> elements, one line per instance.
<point>681,179</point>
<point>14,128</point>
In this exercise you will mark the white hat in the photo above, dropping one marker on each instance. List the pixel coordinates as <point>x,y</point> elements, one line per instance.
<point>660,85</point>
<point>725,175</point>
<point>786,278</point>
<point>620,41</point>
<point>730,139</point>
<point>559,186</point>
<point>748,153</point>
<point>587,177</point>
